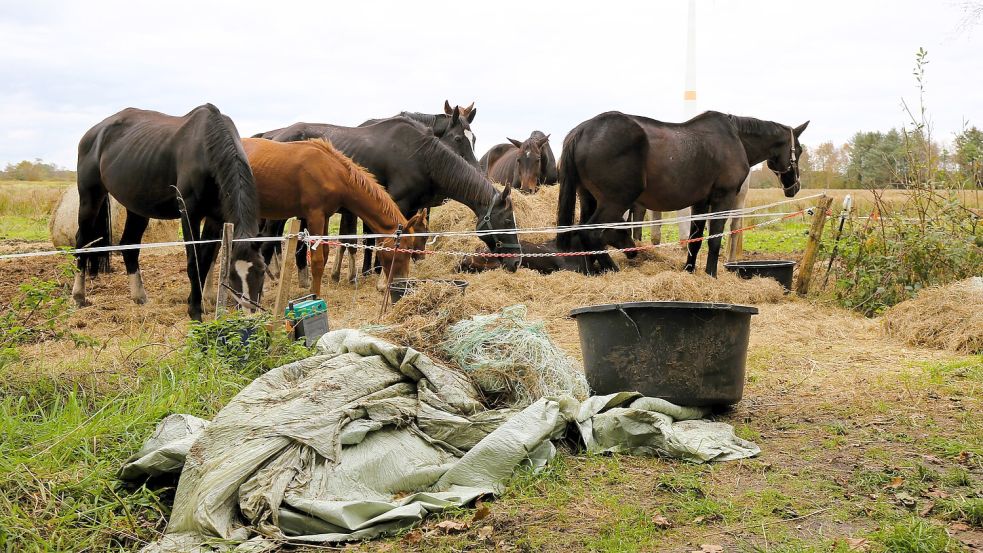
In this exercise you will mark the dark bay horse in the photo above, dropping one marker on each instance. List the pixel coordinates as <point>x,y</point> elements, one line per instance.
<point>453,128</point>
<point>524,165</point>
<point>313,180</point>
<point>615,160</point>
<point>159,166</point>
<point>419,171</point>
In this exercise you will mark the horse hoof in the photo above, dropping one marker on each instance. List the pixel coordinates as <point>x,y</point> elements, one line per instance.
<point>689,268</point>
<point>140,300</point>
<point>82,302</point>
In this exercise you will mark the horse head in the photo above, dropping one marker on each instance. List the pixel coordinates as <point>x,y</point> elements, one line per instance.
<point>500,217</point>
<point>783,160</point>
<point>246,274</point>
<point>457,135</point>
<point>528,164</point>
<point>397,264</point>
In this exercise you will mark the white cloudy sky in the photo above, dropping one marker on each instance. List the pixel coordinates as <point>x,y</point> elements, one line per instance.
<point>528,65</point>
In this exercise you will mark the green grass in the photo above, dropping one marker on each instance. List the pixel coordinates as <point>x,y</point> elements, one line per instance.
<point>915,535</point>
<point>20,227</point>
<point>62,444</point>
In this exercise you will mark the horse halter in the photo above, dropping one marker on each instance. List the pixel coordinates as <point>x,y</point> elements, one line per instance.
<point>793,163</point>
<point>485,224</point>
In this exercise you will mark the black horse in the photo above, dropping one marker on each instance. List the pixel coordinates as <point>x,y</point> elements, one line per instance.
<point>525,165</point>
<point>159,166</point>
<point>453,128</point>
<point>419,171</point>
<point>615,160</point>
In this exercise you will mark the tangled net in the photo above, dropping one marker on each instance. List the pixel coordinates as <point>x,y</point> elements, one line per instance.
<point>512,358</point>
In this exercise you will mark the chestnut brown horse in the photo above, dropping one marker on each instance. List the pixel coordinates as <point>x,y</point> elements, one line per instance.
<point>312,180</point>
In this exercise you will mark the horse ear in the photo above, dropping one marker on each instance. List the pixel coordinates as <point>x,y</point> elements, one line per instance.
<point>544,140</point>
<point>455,117</point>
<point>506,192</point>
<point>471,112</point>
<point>798,130</point>
<point>515,142</point>
<point>447,108</point>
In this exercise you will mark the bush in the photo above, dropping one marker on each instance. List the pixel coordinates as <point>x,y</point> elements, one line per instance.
<point>244,343</point>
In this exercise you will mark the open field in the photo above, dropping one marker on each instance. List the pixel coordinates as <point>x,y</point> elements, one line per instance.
<point>867,444</point>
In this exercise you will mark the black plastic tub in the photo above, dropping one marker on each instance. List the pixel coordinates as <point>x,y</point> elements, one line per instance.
<point>688,353</point>
<point>780,270</point>
<point>403,286</point>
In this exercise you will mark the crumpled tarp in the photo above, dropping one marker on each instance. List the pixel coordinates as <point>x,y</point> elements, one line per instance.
<point>368,437</point>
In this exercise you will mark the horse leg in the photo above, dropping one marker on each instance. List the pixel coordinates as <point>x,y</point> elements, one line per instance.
<point>637,215</point>
<point>696,231</point>
<point>598,239</point>
<point>92,197</point>
<point>352,265</point>
<point>716,227</point>
<point>190,225</point>
<point>656,236</point>
<point>133,231</point>
<point>303,271</point>
<point>347,226</point>
<point>208,253</point>
<point>318,256</point>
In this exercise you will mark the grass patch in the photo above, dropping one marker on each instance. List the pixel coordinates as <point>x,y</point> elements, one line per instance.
<point>915,536</point>
<point>20,227</point>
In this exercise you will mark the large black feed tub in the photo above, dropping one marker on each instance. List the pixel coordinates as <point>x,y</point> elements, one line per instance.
<point>778,269</point>
<point>689,353</point>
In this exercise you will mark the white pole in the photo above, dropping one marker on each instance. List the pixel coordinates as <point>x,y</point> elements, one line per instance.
<point>689,95</point>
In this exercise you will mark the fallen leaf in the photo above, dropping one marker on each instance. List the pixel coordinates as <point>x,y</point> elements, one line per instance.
<point>661,521</point>
<point>964,457</point>
<point>926,509</point>
<point>481,512</point>
<point>485,533</point>
<point>959,527</point>
<point>413,537</point>
<point>698,520</point>
<point>857,544</point>
<point>896,482</point>
<point>452,526</point>
<point>936,493</point>
<point>904,499</point>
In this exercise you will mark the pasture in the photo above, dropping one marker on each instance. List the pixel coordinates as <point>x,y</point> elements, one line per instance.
<point>868,444</point>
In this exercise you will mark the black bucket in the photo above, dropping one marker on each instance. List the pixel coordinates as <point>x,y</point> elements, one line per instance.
<point>402,286</point>
<point>688,353</point>
<point>780,270</point>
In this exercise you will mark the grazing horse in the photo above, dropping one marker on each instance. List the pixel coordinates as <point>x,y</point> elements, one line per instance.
<point>615,160</point>
<point>311,179</point>
<point>453,128</point>
<point>419,171</point>
<point>524,165</point>
<point>159,166</point>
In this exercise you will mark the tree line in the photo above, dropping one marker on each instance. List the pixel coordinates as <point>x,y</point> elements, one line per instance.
<point>36,170</point>
<point>889,159</point>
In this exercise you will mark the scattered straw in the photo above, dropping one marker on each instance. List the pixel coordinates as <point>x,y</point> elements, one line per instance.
<point>512,358</point>
<point>944,317</point>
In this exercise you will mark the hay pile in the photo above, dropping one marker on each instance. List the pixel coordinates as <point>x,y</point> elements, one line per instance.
<point>63,223</point>
<point>531,211</point>
<point>945,317</point>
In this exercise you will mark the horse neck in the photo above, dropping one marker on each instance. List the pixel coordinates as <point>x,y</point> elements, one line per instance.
<point>369,202</point>
<point>237,193</point>
<point>454,178</point>
<point>757,136</point>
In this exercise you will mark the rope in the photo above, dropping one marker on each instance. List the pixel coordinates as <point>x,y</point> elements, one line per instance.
<point>334,240</point>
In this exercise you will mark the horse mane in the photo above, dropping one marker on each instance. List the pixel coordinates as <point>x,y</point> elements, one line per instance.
<point>447,169</point>
<point>754,127</point>
<point>237,188</point>
<point>361,177</point>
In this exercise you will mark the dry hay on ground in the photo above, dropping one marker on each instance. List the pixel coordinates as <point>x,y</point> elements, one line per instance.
<point>423,317</point>
<point>944,317</point>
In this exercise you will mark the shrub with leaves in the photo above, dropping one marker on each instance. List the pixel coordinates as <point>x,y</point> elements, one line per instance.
<point>245,343</point>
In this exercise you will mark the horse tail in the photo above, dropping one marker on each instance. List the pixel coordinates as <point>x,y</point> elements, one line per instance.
<point>98,262</point>
<point>237,193</point>
<point>569,183</point>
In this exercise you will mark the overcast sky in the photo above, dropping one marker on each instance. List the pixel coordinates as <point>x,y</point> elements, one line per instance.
<point>845,65</point>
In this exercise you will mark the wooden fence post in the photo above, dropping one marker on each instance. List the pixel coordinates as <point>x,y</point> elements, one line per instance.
<point>288,267</point>
<point>812,246</point>
<point>223,269</point>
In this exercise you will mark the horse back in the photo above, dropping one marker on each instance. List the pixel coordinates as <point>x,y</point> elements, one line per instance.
<point>501,162</point>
